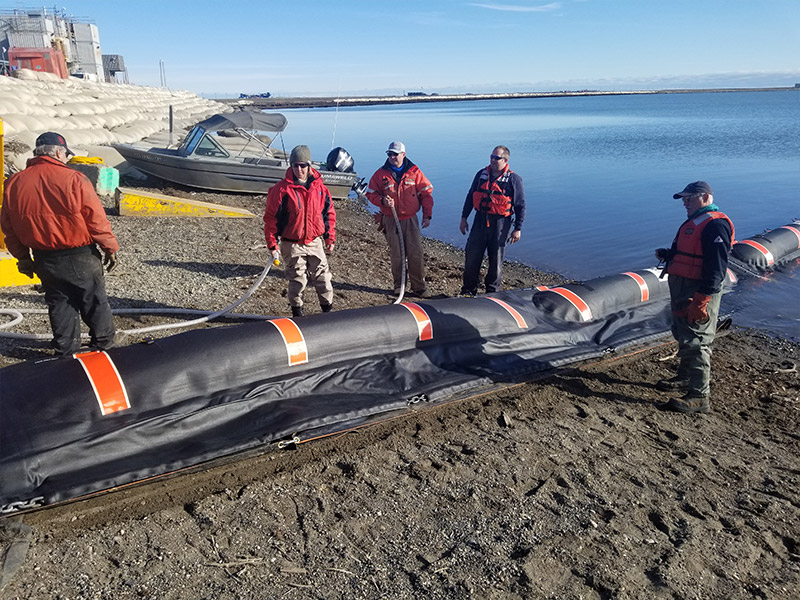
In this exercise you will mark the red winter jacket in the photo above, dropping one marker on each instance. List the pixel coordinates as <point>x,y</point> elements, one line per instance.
<point>297,214</point>
<point>50,206</point>
<point>412,192</point>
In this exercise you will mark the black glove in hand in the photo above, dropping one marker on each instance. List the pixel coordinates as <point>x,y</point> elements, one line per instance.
<point>662,254</point>
<point>25,266</point>
<point>110,261</point>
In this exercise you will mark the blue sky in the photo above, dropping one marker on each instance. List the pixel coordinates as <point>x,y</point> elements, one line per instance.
<point>351,47</point>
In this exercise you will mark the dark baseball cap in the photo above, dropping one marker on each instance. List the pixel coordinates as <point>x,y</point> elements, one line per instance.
<point>52,138</point>
<point>696,187</point>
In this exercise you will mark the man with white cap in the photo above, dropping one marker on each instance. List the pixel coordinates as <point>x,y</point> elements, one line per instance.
<point>400,187</point>
<point>697,264</point>
<point>53,213</point>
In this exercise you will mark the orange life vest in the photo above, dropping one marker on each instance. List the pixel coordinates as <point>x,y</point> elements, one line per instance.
<point>688,259</point>
<point>492,199</point>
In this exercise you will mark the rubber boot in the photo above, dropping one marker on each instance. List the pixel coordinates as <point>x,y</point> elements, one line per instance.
<point>326,307</point>
<point>297,311</point>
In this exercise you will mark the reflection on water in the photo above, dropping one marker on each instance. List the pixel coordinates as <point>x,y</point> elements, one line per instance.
<point>599,171</point>
<point>768,303</point>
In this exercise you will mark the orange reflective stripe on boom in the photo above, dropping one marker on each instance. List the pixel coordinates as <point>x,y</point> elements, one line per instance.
<point>512,311</point>
<point>424,325</point>
<point>296,349</point>
<point>643,289</point>
<point>794,231</point>
<point>106,381</point>
<point>576,301</point>
<point>767,254</point>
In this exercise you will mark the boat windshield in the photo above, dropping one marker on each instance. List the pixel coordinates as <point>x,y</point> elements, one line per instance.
<point>202,143</point>
<point>191,140</point>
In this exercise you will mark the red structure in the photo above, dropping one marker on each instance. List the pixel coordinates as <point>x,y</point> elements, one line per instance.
<point>48,60</point>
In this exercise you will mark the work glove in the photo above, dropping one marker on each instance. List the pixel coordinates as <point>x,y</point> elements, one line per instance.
<point>662,254</point>
<point>378,221</point>
<point>25,266</point>
<point>697,311</point>
<point>110,261</point>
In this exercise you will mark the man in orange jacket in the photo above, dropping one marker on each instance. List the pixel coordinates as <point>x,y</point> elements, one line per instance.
<point>53,212</point>
<point>301,215</point>
<point>400,187</point>
<point>697,264</point>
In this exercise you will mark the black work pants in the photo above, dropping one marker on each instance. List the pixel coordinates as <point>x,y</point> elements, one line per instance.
<point>74,286</point>
<point>488,235</point>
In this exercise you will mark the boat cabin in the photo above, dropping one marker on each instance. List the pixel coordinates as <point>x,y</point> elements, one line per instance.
<point>202,143</point>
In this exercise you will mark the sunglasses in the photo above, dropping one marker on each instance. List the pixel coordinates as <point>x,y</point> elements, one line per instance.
<point>301,165</point>
<point>392,153</point>
<point>495,157</point>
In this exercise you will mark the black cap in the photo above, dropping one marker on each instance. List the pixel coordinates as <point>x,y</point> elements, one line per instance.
<point>51,138</point>
<point>696,187</point>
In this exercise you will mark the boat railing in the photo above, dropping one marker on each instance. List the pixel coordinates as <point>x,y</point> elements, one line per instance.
<point>250,136</point>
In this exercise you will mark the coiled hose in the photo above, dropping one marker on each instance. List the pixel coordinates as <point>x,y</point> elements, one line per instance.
<point>402,256</point>
<point>17,315</point>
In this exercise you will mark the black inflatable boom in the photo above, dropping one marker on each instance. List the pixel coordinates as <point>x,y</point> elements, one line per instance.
<point>768,250</point>
<point>72,427</point>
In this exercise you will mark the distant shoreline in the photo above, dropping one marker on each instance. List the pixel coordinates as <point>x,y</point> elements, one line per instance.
<point>323,102</point>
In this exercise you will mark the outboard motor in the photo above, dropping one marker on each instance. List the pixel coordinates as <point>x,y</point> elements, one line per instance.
<point>360,187</point>
<point>339,160</point>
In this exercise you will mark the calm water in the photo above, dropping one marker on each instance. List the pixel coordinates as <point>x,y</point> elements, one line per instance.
<point>599,173</point>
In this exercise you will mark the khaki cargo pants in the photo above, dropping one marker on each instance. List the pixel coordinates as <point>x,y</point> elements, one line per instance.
<point>303,263</point>
<point>412,238</point>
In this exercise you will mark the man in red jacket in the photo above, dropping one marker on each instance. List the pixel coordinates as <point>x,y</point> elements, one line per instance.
<point>300,219</point>
<point>400,186</point>
<point>53,212</point>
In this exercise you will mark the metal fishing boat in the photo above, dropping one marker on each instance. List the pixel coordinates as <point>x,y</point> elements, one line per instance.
<point>207,157</point>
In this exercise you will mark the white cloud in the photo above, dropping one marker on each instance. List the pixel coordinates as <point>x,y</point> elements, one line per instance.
<point>517,8</point>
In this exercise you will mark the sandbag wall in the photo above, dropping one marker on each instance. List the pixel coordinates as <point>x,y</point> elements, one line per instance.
<point>72,427</point>
<point>90,113</point>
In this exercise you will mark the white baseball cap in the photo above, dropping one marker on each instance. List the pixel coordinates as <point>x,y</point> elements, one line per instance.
<point>397,147</point>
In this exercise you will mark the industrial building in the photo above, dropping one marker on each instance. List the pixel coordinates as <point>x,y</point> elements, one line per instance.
<point>54,42</point>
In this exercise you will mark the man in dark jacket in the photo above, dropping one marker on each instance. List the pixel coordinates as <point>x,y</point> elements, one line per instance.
<point>53,212</point>
<point>697,264</point>
<point>300,217</point>
<point>498,196</point>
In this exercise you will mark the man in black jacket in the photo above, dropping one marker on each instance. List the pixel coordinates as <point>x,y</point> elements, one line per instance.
<point>498,198</point>
<point>696,263</point>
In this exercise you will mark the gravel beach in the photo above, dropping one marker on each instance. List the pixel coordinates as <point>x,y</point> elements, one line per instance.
<point>572,486</point>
